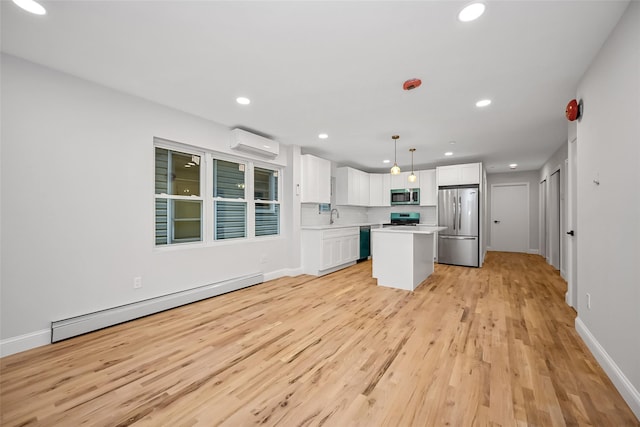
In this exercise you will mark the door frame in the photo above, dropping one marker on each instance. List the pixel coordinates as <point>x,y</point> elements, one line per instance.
<point>552,217</point>
<point>513,184</point>
<point>542,232</point>
<point>571,297</point>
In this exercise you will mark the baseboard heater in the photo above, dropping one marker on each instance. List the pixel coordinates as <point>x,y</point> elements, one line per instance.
<point>67,328</point>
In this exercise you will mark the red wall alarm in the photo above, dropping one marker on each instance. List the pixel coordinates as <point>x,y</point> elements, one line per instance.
<point>411,84</point>
<point>573,111</point>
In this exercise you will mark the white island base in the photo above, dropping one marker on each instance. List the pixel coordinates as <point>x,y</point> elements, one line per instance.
<point>402,257</point>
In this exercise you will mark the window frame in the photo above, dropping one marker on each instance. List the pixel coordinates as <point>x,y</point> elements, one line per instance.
<point>178,148</point>
<point>273,203</point>
<point>211,232</point>
<point>207,199</point>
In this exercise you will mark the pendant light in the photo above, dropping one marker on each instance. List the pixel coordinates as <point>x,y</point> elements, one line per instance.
<point>412,177</point>
<point>395,170</point>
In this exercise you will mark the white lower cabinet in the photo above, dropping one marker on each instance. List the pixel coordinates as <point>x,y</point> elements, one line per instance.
<point>325,251</point>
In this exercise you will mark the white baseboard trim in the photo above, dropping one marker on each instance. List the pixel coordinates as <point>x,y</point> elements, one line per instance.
<point>529,251</point>
<point>629,393</point>
<point>25,342</point>
<point>282,273</point>
<point>71,327</point>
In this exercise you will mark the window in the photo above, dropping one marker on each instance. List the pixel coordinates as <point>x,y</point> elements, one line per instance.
<point>178,197</point>
<point>192,208</point>
<point>230,205</point>
<point>267,204</point>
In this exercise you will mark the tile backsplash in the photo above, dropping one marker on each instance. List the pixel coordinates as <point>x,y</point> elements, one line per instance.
<point>311,215</point>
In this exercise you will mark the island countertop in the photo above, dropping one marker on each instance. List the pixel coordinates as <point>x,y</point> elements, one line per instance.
<point>414,229</point>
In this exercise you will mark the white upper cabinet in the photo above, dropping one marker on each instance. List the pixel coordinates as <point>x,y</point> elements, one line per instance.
<point>459,174</point>
<point>379,189</point>
<point>315,182</point>
<point>352,187</point>
<point>428,188</point>
<point>401,181</point>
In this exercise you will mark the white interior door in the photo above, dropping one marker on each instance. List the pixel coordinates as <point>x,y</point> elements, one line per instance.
<point>510,217</point>
<point>543,218</point>
<point>554,220</point>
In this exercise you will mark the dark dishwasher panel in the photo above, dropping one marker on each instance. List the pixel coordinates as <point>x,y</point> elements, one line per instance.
<point>365,243</point>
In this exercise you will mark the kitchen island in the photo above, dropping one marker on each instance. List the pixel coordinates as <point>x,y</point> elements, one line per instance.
<point>402,256</point>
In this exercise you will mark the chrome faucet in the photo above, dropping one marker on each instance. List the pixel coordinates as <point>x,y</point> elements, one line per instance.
<point>331,215</point>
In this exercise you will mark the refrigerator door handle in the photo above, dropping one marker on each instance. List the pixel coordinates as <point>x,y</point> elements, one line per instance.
<point>455,211</point>
<point>459,212</point>
<point>457,238</point>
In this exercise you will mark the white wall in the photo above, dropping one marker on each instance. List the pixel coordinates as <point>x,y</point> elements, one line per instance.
<point>530,177</point>
<point>78,202</point>
<point>609,213</point>
<point>551,165</point>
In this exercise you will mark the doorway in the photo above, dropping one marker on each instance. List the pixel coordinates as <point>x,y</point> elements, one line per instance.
<point>543,219</point>
<point>553,220</point>
<point>510,217</point>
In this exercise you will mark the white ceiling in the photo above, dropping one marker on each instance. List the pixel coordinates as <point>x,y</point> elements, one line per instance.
<point>338,67</point>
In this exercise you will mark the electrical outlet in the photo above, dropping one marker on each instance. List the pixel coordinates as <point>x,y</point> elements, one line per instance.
<point>263,259</point>
<point>589,301</point>
<point>137,282</point>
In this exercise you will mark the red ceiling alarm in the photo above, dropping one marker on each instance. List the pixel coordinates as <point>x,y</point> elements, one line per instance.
<point>411,84</point>
<point>573,110</point>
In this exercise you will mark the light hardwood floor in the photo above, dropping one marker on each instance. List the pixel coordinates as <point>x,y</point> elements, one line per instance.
<point>490,346</point>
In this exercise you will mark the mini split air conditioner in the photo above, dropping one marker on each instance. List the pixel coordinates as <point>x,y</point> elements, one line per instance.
<point>251,143</point>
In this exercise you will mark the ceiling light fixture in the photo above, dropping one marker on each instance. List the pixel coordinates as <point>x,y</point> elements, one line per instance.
<point>412,177</point>
<point>386,161</point>
<point>395,170</point>
<point>483,103</point>
<point>31,6</point>
<point>323,136</point>
<point>471,12</point>
<point>449,153</point>
<point>513,165</point>
<point>243,101</point>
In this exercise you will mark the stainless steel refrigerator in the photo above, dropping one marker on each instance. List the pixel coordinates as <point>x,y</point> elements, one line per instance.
<point>458,208</point>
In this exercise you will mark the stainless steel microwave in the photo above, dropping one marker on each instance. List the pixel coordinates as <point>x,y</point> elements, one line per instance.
<point>405,196</point>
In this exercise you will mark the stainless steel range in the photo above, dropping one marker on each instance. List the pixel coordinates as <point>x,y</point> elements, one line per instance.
<point>404,218</point>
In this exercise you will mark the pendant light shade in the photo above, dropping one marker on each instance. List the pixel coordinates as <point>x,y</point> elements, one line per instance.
<point>412,177</point>
<point>395,170</point>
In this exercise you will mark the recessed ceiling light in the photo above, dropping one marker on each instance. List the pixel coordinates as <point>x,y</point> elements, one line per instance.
<point>243,101</point>
<point>471,12</point>
<point>452,142</point>
<point>513,165</point>
<point>386,161</point>
<point>483,103</point>
<point>323,136</point>
<point>449,153</point>
<point>31,6</point>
